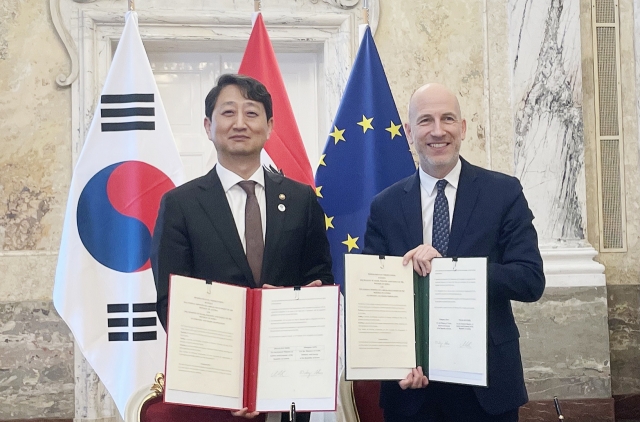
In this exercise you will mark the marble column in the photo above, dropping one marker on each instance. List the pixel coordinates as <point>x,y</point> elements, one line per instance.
<point>92,400</point>
<point>564,337</point>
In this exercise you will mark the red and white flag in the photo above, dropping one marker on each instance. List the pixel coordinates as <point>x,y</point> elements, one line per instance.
<point>284,147</point>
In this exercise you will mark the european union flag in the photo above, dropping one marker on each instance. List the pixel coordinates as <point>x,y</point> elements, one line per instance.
<point>366,152</point>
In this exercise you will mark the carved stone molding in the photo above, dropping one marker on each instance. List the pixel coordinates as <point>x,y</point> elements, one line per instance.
<point>91,31</point>
<point>345,4</point>
<point>572,266</point>
<point>63,25</point>
<point>61,79</point>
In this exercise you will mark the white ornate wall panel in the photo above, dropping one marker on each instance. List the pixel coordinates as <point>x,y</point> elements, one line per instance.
<point>90,31</point>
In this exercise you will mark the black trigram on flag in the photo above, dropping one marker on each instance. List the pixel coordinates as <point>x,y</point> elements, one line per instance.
<point>121,114</point>
<point>119,324</point>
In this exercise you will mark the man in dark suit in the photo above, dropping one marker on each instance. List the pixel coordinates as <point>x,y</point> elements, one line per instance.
<point>240,224</point>
<point>490,218</point>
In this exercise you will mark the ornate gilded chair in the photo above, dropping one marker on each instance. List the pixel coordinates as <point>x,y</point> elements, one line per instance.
<point>358,403</point>
<point>139,402</point>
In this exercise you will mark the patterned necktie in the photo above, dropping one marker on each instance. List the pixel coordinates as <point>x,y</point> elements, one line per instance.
<point>440,234</point>
<point>253,230</point>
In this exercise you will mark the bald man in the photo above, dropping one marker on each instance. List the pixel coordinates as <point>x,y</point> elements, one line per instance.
<point>452,208</point>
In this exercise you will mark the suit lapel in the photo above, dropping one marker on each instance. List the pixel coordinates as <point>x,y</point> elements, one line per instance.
<point>275,217</point>
<point>466,197</point>
<point>216,206</point>
<point>412,211</point>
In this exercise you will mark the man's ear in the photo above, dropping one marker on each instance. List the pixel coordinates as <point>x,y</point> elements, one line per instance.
<point>207,127</point>
<point>464,128</point>
<point>270,125</point>
<point>407,131</point>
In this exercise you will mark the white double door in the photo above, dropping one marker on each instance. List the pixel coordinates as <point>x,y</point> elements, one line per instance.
<point>185,78</point>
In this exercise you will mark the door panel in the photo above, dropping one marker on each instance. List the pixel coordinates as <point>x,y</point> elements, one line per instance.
<point>185,78</point>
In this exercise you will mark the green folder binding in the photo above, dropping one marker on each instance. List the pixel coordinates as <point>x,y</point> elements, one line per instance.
<point>421,315</point>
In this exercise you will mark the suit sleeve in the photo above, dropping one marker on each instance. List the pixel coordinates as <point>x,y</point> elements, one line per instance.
<point>374,239</point>
<point>170,251</point>
<point>519,274</point>
<point>316,258</point>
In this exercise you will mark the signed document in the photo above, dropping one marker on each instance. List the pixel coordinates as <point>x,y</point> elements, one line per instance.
<point>458,321</point>
<point>379,322</point>
<point>298,349</point>
<point>396,320</point>
<point>231,347</point>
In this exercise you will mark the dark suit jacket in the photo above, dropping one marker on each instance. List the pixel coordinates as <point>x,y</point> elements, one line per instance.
<point>491,218</point>
<point>196,236</point>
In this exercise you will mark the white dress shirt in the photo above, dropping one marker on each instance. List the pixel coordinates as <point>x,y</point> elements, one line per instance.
<point>428,192</point>
<point>237,198</point>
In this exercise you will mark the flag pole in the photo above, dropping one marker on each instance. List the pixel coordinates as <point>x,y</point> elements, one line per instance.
<point>132,6</point>
<point>257,9</point>
<point>365,20</point>
<point>365,12</point>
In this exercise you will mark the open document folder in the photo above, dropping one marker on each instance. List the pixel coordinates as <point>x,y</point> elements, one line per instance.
<point>396,321</point>
<point>232,347</point>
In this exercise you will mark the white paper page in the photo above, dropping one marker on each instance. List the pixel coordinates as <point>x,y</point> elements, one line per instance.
<point>298,349</point>
<point>380,327</point>
<point>205,343</point>
<point>458,321</point>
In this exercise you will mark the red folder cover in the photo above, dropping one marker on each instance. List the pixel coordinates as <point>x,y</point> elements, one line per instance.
<point>190,304</point>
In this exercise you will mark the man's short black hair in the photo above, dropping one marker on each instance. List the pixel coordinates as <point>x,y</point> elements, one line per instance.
<point>251,89</point>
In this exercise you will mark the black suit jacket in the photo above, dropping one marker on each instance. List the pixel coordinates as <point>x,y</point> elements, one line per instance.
<point>491,218</point>
<point>196,236</point>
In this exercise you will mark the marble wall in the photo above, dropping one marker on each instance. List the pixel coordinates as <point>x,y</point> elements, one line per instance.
<point>36,356</point>
<point>524,73</point>
<point>438,41</point>
<point>565,344</point>
<point>622,269</point>
<point>36,372</point>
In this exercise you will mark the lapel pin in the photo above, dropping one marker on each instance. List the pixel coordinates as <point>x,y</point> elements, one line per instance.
<point>282,197</point>
<point>281,207</point>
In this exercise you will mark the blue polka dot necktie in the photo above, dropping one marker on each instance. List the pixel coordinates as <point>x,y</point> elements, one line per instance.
<point>440,234</point>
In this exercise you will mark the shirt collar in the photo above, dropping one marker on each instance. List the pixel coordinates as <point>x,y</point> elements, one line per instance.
<point>229,179</point>
<point>428,183</point>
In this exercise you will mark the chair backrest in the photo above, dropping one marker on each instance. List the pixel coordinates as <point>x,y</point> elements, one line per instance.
<point>358,403</point>
<point>366,396</point>
<point>143,398</point>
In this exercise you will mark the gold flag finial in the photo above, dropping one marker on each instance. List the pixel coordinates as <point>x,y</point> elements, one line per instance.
<point>132,5</point>
<point>257,5</point>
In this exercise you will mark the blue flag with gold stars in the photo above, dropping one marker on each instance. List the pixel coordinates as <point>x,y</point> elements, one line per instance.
<point>366,152</point>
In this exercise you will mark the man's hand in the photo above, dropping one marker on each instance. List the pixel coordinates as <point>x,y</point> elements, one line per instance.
<point>314,283</point>
<point>421,256</point>
<point>244,413</point>
<point>415,379</point>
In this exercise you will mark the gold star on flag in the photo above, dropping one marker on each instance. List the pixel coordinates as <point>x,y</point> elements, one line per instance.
<point>366,124</point>
<point>351,242</point>
<point>318,194</point>
<point>337,134</point>
<point>328,221</point>
<point>394,130</point>
<point>321,162</point>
